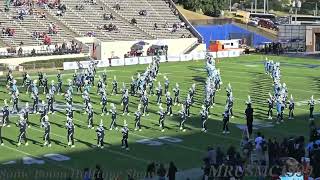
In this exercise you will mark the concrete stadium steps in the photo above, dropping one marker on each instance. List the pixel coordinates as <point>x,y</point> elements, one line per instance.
<point>30,24</point>
<point>94,14</point>
<point>157,12</point>
<point>77,23</point>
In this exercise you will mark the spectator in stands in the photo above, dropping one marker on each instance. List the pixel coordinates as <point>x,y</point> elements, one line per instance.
<point>108,16</point>
<point>166,25</point>
<point>91,34</point>
<point>62,8</point>
<point>10,31</point>
<point>133,21</point>
<point>20,51</point>
<point>142,12</point>
<point>183,36</point>
<point>172,171</point>
<point>47,40</point>
<point>117,6</point>
<point>155,26</point>
<point>79,7</point>
<point>94,2</point>
<point>33,52</point>
<point>182,25</point>
<point>189,36</point>
<point>43,15</point>
<point>111,16</point>
<point>174,27</point>
<point>59,13</point>
<point>3,30</point>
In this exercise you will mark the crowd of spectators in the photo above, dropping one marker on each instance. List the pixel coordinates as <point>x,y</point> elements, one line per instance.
<point>108,27</point>
<point>271,152</point>
<point>8,31</point>
<point>58,49</point>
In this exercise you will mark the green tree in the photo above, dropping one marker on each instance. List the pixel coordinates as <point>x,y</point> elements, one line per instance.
<point>191,5</point>
<point>212,7</point>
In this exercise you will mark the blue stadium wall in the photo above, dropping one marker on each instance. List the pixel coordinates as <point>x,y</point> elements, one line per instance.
<point>222,32</point>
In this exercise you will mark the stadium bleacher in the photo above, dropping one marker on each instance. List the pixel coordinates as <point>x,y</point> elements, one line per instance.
<point>89,21</point>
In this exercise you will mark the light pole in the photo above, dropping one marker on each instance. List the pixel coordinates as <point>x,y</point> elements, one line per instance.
<point>255,6</point>
<point>297,5</point>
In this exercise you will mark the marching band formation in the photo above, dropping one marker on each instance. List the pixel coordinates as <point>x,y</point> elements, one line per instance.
<point>141,86</point>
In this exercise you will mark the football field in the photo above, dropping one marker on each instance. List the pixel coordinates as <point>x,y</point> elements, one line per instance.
<point>246,76</point>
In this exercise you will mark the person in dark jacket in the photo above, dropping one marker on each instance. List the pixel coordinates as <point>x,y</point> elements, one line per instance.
<point>162,172</point>
<point>98,174</point>
<point>172,171</point>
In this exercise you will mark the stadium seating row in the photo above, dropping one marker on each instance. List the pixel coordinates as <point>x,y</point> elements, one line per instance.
<point>127,23</point>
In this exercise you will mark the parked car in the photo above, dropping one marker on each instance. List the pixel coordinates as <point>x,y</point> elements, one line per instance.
<point>267,23</point>
<point>253,22</point>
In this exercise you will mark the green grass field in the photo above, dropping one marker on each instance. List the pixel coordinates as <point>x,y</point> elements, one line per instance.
<point>247,77</point>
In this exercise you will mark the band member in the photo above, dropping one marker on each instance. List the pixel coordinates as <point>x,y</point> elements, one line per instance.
<point>28,83</point>
<point>270,105</point>
<point>104,77</point>
<point>125,103</point>
<point>176,91</point>
<point>311,108</point>
<point>192,92</point>
<point>1,125</point>
<point>100,135</point>
<point>150,84</point>
<point>69,111</point>
<point>138,118</point>
<point>162,115</point>
<point>114,86</point>
<point>187,105</point>
<point>183,117</point>
<point>125,136</point>
<point>47,128</point>
<point>133,86</point>
<point>86,99</point>
<point>22,129</point>
<point>291,107</point>
<point>45,84</point>
<point>43,112</point>
<point>25,113</point>
<point>5,114</point>
<point>59,83</point>
<point>15,100</point>
<point>35,97</point>
<point>159,93</point>
<point>226,117</point>
<point>113,111</point>
<point>204,118</point>
<point>70,132</point>
<point>50,98</point>
<point>145,102</point>
<point>104,102</point>
<point>52,88</point>
<point>90,116</point>
<point>166,84</point>
<point>169,104</point>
